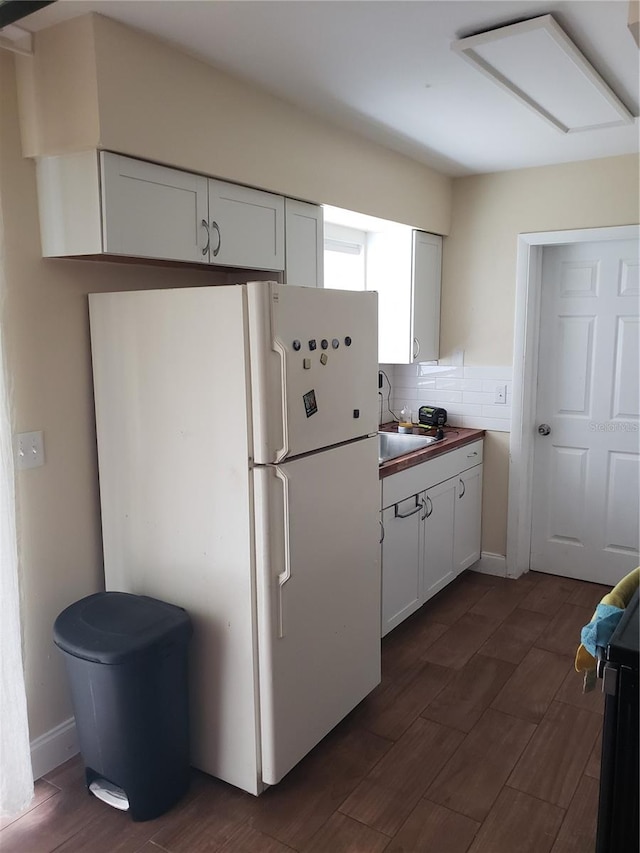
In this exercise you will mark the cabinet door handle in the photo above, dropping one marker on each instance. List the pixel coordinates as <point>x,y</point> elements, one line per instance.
<point>398,514</point>
<point>205,225</point>
<point>471,455</point>
<point>216,227</point>
<point>464,488</point>
<point>416,348</point>
<point>381,533</point>
<point>428,508</point>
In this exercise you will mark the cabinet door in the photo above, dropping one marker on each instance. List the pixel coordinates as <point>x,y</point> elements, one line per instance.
<point>247,227</point>
<point>150,211</point>
<point>467,522</point>
<point>426,275</point>
<point>438,569</point>
<point>304,244</point>
<point>389,273</point>
<point>401,554</point>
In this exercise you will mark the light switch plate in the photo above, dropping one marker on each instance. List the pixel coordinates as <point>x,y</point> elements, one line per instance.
<point>29,450</point>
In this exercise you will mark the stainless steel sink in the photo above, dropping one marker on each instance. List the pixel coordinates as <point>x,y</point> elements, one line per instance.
<point>394,444</point>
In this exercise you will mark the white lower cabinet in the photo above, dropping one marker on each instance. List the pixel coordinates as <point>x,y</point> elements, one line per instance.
<point>437,555</point>
<point>402,548</point>
<point>466,528</point>
<point>430,536</point>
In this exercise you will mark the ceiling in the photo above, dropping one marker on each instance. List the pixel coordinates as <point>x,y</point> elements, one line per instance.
<point>385,68</point>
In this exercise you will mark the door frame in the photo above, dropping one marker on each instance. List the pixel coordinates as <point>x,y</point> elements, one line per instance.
<point>525,378</point>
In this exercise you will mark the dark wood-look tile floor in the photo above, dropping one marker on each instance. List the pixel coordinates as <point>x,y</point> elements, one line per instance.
<point>478,740</point>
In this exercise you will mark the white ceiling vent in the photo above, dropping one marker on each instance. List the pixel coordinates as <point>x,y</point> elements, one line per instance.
<point>538,63</point>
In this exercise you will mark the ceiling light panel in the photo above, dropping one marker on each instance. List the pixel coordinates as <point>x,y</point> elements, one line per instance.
<point>536,62</point>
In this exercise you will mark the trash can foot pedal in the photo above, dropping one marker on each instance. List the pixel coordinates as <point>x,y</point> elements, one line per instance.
<point>110,794</point>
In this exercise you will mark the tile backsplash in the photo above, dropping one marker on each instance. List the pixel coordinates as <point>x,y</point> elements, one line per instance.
<point>467,393</point>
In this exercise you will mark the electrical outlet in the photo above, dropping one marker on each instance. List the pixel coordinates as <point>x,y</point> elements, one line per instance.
<point>500,394</point>
<point>29,450</point>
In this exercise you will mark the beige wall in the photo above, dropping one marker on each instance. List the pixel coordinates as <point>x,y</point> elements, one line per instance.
<point>160,104</point>
<point>45,315</point>
<point>489,211</point>
<point>59,108</point>
<point>224,128</point>
<point>479,271</point>
<point>45,323</point>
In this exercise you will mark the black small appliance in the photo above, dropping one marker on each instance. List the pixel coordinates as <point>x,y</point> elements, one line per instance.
<point>432,416</point>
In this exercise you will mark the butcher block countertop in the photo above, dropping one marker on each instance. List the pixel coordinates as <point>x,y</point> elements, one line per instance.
<point>453,437</point>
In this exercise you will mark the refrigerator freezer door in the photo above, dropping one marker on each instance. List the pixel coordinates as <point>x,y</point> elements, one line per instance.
<point>318,585</point>
<point>314,368</point>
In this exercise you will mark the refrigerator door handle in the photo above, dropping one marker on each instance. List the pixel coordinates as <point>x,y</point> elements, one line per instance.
<point>285,574</point>
<point>284,450</point>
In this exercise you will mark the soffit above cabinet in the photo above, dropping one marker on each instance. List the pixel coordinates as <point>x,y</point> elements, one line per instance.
<point>95,83</point>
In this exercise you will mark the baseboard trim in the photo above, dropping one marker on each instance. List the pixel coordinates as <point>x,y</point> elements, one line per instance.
<point>491,564</point>
<point>53,748</point>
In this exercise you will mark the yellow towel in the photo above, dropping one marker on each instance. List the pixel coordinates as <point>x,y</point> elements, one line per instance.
<point>619,596</point>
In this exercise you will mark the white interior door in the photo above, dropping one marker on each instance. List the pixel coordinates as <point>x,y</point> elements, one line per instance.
<point>587,453</point>
<point>318,585</point>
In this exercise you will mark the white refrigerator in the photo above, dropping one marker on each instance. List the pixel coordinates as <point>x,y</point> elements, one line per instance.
<point>238,467</point>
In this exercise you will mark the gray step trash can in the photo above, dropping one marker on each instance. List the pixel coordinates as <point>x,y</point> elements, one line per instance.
<point>126,658</point>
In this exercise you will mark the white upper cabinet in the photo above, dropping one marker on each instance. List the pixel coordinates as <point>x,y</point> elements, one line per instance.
<point>246,227</point>
<point>151,211</point>
<point>304,244</point>
<point>92,204</point>
<point>426,276</point>
<point>405,267</point>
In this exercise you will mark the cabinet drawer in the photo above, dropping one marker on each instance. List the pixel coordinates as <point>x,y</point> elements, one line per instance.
<point>413,480</point>
<point>471,454</point>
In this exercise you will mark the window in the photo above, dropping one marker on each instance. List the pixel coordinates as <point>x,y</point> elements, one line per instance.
<point>359,249</point>
<point>344,257</point>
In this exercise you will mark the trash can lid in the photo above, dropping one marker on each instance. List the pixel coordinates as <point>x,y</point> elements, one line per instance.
<point>111,627</point>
